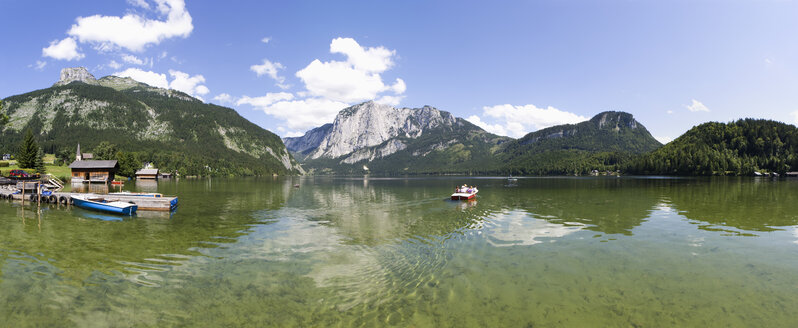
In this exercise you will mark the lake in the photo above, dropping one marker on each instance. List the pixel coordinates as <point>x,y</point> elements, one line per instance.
<point>542,252</point>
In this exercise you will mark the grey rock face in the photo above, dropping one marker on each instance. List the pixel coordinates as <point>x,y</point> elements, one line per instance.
<point>310,140</point>
<point>71,74</point>
<point>367,125</point>
<point>615,120</point>
<point>370,154</point>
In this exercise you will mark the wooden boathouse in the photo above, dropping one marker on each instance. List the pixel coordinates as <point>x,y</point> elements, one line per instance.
<point>151,174</point>
<point>91,171</point>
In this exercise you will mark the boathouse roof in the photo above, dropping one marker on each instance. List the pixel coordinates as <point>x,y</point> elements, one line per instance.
<point>90,164</point>
<point>147,172</point>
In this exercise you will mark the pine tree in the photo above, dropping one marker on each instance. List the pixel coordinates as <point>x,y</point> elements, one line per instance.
<point>28,151</point>
<point>39,162</point>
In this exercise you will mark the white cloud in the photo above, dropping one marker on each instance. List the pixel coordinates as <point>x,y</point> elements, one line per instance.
<point>516,121</point>
<point>356,79</point>
<point>266,39</point>
<point>105,48</point>
<point>492,128</point>
<point>139,3</point>
<point>288,133</point>
<point>292,134</point>
<point>794,117</point>
<point>162,55</point>
<point>39,66</point>
<point>133,31</point>
<point>130,59</point>
<point>153,79</point>
<point>270,68</point>
<point>390,100</point>
<point>372,60</point>
<point>669,112</point>
<point>329,86</point>
<point>697,106</point>
<point>113,64</point>
<point>192,85</point>
<point>66,49</point>
<point>265,101</point>
<point>297,114</point>
<point>663,139</point>
<point>189,84</point>
<point>267,68</point>
<point>224,98</point>
<point>399,87</point>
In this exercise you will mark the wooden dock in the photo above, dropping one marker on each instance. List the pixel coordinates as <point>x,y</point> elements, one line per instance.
<point>165,203</point>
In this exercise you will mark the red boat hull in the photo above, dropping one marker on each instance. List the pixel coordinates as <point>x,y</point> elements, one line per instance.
<point>459,197</point>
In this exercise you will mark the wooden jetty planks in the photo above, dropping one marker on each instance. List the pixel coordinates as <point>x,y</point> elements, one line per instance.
<point>165,203</point>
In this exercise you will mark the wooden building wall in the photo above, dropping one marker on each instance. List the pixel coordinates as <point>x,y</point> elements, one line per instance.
<point>94,174</point>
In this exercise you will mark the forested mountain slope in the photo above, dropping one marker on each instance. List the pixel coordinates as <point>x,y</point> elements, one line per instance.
<point>169,128</point>
<point>735,148</point>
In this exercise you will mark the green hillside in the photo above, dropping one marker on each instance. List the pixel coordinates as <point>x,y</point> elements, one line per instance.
<point>166,127</point>
<point>605,142</point>
<point>735,148</point>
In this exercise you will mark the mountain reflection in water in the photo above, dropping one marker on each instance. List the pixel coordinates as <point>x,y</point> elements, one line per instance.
<point>395,251</point>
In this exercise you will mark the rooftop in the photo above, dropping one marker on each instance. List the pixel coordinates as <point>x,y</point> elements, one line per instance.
<point>147,172</point>
<point>89,164</point>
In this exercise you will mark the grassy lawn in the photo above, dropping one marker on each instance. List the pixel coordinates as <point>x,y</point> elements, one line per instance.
<point>58,171</point>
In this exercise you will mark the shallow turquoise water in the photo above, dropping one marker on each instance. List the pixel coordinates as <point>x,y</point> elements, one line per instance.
<point>393,252</point>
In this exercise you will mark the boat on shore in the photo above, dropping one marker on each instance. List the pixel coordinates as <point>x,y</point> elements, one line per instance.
<point>95,203</point>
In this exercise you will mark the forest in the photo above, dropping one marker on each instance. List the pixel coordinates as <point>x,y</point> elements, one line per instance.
<point>736,148</point>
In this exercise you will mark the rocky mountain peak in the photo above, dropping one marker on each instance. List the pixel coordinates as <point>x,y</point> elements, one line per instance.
<point>366,125</point>
<point>370,107</point>
<point>614,120</point>
<point>72,74</point>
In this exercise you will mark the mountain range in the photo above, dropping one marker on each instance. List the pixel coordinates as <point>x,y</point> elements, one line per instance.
<point>371,137</point>
<point>167,127</point>
<point>178,132</point>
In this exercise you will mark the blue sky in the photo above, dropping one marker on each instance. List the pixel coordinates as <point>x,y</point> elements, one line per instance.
<point>511,67</point>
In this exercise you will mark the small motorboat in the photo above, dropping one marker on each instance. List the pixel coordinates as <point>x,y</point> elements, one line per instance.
<point>464,193</point>
<point>96,203</point>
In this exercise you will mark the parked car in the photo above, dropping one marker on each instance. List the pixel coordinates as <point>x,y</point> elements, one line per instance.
<point>19,174</point>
